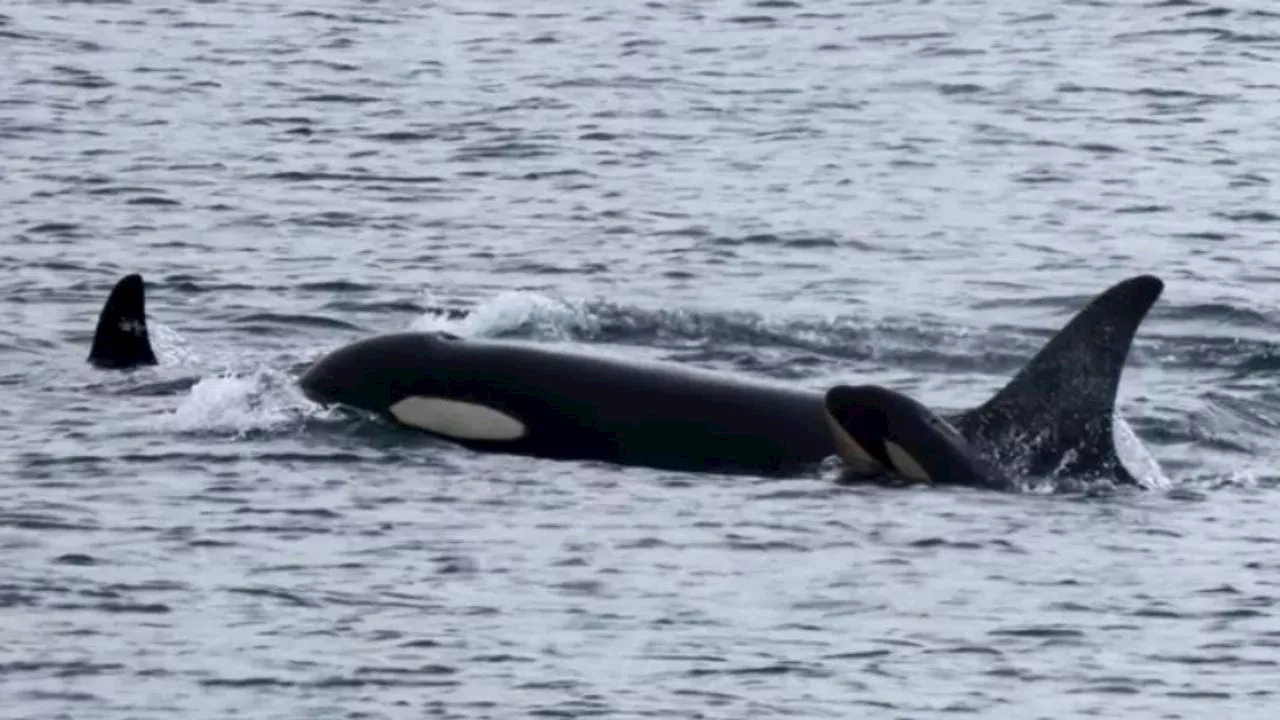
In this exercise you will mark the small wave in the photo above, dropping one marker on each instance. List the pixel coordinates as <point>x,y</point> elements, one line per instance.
<point>917,343</point>
<point>336,286</point>
<point>266,321</point>
<point>1218,313</point>
<point>58,228</point>
<point>403,136</point>
<point>191,285</point>
<point>511,313</point>
<point>1253,216</point>
<point>342,98</point>
<point>297,176</point>
<point>1265,360</point>
<point>772,240</point>
<point>907,37</point>
<point>393,307</point>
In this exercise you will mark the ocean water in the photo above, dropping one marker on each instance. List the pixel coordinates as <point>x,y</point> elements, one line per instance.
<point>911,193</point>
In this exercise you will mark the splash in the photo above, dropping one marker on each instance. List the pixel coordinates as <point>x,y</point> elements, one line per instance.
<point>516,311</point>
<point>1136,457</point>
<point>170,346</point>
<point>263,400</point>
<point>1014,456</point>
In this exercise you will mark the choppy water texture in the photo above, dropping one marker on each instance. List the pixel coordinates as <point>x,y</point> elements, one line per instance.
<point>911,193</point>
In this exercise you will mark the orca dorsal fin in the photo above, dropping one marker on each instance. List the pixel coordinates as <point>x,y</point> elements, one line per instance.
<point>1055,417</point>
<point>121,341</point>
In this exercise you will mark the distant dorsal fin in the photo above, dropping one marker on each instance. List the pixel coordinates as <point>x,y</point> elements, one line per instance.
<point>121,341</point>
<point>1055,417</point>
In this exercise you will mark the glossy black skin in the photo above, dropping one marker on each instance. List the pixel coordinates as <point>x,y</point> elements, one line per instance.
<point>121,341</point>
<point>872,415</point>
<point>1053,417</point>
<point>577,406</point>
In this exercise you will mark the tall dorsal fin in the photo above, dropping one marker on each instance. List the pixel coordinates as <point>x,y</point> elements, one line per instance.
<point>1056,415</point>
<point>121,341</point>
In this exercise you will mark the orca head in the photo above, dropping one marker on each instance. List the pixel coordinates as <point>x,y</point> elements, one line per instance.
<point>863,418</point>
<point>905,438</point>
<point>416,379</point>
<point>121,341</point>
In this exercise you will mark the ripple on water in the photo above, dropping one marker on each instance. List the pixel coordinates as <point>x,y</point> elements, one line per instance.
<point>804,192</point>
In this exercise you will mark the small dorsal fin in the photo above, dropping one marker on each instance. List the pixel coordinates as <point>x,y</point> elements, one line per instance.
<point>1056,415</point>
<point>121,341</point>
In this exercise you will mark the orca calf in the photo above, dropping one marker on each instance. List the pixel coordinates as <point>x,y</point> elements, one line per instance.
<point>876,425</point>
<point>1053,417</point>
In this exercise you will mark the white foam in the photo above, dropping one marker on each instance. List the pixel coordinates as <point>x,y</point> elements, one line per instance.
<point>1136,458</point>
<point>508,311</point>
<point>262,400</point>
<point>170,347</point>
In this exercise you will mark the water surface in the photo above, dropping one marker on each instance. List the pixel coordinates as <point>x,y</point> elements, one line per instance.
<point>807,192</point>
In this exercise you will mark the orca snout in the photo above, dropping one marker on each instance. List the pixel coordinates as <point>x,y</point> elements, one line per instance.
<point>906,437</point>
<point>338,380</point>
<point>416,379</point>
<point>885,426</point>
<point>321,384</point>
<point>369,374</point>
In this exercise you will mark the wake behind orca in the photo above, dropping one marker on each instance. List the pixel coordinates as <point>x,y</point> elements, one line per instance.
<point>1054,418</point>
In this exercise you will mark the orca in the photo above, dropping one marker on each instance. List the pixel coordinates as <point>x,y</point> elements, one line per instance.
<point>1056,417</point>
<point>537,400</point>
<point>1053,418</point>
<point>880,426</point>
<point>524,398</point>
<point>121,341</point>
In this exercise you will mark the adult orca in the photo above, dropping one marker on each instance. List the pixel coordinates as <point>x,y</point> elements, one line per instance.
<point>1053,418</point>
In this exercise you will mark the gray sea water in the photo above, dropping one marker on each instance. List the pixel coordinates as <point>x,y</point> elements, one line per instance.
<point>914,193</point>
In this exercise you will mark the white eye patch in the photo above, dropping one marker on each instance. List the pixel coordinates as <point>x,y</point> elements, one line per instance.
<point>905,464</point>
<point>854,456</point>
<point>457,419</point>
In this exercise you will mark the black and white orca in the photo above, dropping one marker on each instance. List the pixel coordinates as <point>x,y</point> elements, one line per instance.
<point>1053,418</point>
<point>877,426</point>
